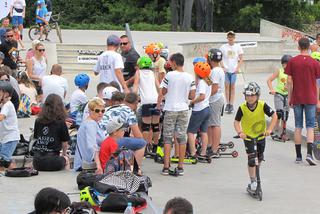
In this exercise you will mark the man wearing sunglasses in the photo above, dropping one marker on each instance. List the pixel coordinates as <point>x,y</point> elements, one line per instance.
<point>10,49</point>
<point>130,57</point>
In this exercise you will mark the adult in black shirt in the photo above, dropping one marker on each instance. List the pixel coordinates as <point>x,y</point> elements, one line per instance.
<point>130,57</point>
<point>9,47</point>
<point>52,136</point>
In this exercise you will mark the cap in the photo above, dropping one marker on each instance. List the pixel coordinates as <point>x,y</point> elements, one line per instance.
<point>114,125</point>
<point>113,40</point>
<point>231,33</point>
<point>108,92</point>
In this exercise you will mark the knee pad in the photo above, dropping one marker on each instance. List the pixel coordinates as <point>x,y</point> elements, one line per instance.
<point>155,127</point>
<point>251,160</point>
<point>145,127</point>
<point>4,163</point>
<point>280,114</point>
<point>260,157</point>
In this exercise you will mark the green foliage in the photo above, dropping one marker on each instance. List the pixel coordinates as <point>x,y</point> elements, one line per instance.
<point>249,18</point>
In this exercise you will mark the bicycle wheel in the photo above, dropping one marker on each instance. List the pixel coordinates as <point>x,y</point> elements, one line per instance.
<point>58,29</point>
<point>34,32</point>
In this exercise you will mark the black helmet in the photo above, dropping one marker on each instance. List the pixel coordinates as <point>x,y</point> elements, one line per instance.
<point>215,55</point>
<point>285,58</point>
<point>252,88</point>
<point>6,87</point>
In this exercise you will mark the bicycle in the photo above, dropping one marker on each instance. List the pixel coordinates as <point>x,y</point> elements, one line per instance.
<point>34,31</point>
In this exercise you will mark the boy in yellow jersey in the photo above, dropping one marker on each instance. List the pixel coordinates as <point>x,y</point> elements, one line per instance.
<point>250,121</point>
<point>281,103</point>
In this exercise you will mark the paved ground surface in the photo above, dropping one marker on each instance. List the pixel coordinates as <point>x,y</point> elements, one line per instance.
<point>212,188</point>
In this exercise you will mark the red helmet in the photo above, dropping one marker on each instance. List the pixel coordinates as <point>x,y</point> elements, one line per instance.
<point>202,69</point>
<point>152,48</point>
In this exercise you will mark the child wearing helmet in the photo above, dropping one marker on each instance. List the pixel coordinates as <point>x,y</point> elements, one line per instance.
<point>9,130</point>
<point>153,50</point>
<point>250,121</point>
<point>216,101</point>
<point>280,93</point>
<point>79,97</point>
<point>198,59</point>
<point>199,119</point>
<point>147,84</point>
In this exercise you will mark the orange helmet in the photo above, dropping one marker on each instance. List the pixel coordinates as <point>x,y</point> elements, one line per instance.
<point>202,69</point>
<point>152,48</point>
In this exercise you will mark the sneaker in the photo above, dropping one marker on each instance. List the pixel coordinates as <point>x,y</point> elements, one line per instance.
<point>227,108</point>
<point>231,108</point>
<point>298,160</point>
<point>209,151</point>
<point>165,171</point>
<point>310,160</point>
<point>154,149</point>
<point>253,186</point>
<point>180,171</point>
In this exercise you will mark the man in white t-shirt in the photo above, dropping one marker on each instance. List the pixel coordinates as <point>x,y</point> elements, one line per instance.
<point>54,83</point>
<point>231,62</point>
<point>18,12</point>
<point>177,87</point>
<point>110,64</point>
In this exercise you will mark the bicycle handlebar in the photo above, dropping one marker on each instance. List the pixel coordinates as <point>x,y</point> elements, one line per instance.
<point>251,138</point>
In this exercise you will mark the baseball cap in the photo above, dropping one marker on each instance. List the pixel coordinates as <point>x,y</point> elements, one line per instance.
<point>108,92</point>
<point>114,124</point>
<point>1,55</point>
<point>231,33</point>
<point>113,40</point>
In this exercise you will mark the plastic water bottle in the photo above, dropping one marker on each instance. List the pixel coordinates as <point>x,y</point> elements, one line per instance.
<point>129,209</point>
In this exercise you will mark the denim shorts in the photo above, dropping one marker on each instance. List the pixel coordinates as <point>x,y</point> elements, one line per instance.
<point>199,120</point>
<point>230,78</point>
<point>17,20</point>
<point>7,149</point>
<point>131,143</point>
<point>310,114</point>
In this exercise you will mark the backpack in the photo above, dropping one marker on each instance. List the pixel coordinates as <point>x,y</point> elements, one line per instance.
<point>122,160</point>
<point>24,109</point>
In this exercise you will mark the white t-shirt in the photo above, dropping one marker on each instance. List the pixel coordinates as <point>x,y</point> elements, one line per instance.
<point>31,92</point>
<point>178,85</point>
<point>78,98</point>
<point>54,84</point>
<point>217,77</point>
<point>19,4</point>
<point>147,87</point>
<point>202,88</point>
<point>9,126</point>
<point>230,56</point>
<point>108,61</point>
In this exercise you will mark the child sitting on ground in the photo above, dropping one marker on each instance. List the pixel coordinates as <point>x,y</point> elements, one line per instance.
<point>250,121</point>
<point>281,103</point>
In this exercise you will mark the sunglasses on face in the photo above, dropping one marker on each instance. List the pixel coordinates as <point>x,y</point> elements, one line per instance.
<point>123,43</point>
<point>41,50</point>
<point>8,36</point>
<point>99,110</point>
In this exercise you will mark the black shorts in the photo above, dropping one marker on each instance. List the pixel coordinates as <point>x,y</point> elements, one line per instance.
<point>148,110</point>
<point>49,162</point>
<point>260,146</point>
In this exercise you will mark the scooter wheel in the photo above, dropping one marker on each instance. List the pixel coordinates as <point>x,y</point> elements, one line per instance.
<point>195,161</point>
<point>209,160</point>
<point>223,149</point>
<point>259,195</point>
<point>234,154</point>
<point>231,144</point>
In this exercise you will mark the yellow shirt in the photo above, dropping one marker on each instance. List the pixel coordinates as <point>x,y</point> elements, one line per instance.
<point>159,66</point>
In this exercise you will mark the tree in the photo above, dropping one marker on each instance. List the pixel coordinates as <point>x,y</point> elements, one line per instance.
<point>186,26</point>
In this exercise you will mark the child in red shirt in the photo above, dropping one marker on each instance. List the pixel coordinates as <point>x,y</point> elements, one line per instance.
<point>109,145</point>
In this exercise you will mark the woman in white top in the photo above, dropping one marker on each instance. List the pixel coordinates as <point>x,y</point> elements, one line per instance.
<point>37,66</point>
<point>146,81</point>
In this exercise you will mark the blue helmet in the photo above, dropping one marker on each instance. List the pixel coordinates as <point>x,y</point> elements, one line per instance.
<point>81,80</point>
<point>199,59</point>
<point>40,2</point>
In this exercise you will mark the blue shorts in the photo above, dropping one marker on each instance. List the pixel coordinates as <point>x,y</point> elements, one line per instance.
<point>7,149</point>
<point>230,78</point>
<point>132,143</point>
<point>199,120</point>
<point>17,20</point>
<point>310,114</point>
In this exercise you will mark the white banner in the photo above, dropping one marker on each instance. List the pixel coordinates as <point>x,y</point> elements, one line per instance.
<point>248,44</point>
<point>5,8</point>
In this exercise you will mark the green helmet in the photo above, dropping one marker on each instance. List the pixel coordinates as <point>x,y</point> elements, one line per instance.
<point>144,62</point>
<point>316,55</point>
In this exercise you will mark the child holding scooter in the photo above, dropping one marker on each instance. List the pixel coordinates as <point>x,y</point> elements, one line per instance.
<point>281,103</point>
<point>250,122</point>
